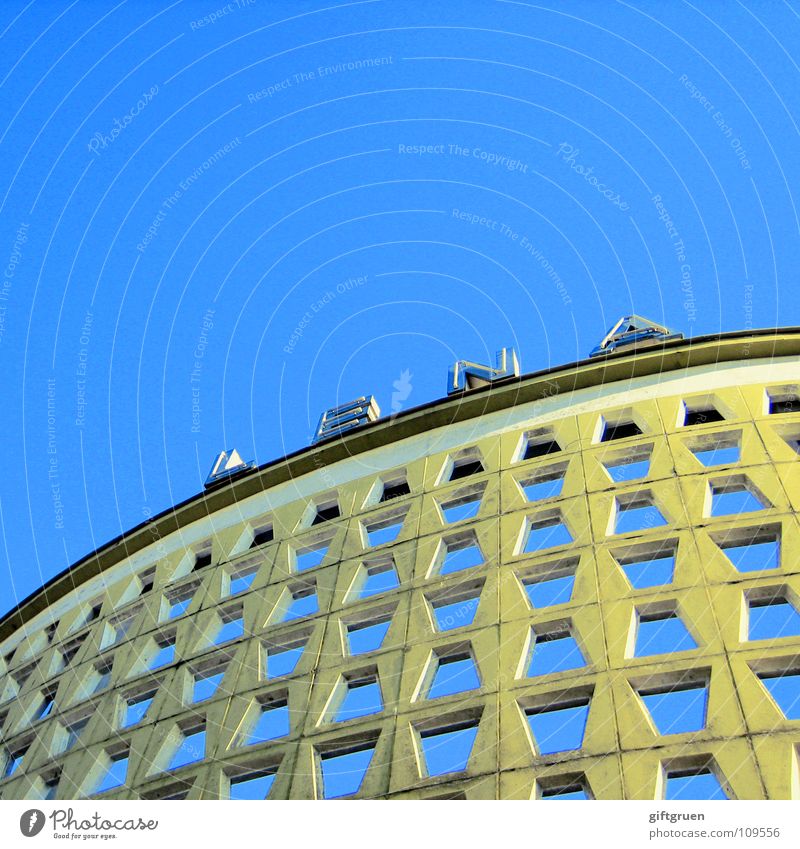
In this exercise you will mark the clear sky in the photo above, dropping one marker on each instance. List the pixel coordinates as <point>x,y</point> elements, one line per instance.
<point>220,219</point>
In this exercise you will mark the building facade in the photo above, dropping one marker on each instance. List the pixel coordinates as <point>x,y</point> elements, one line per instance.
<point>580,583</point>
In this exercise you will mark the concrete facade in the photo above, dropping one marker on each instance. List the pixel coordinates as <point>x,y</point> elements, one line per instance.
<point>206,589</point>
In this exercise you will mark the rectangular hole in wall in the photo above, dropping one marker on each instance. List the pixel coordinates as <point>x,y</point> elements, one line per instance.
<point>619,429</point>
<point>636,511</point>
<point>463,505</point>
<point>447,747</point>
<point>554,649</point>
<point>396,489</point>
<point>696,781</point>
<point>546,530</point>
<point>771,614</point>
<point>558,721</point>
<point>368,634</point>
<point>751,549</point>
<point>661,631</point>
<point>716,449</point>
<point>456,607</point>
<point>550,584</point>
<point>648,565</point>
<point>539,443</point>
<point>734,495</point>
<point>783,399</point>
<point>544,483</point>
<point>780,677</point>
<point>458,553</point>
<point>342,769</point>
<point>675,701</point>
<point>629,464</point>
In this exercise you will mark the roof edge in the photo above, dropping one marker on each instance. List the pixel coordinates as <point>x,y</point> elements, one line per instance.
<point>629,363</point>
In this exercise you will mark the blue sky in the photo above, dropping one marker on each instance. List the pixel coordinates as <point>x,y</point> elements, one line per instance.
<point>218,220</point>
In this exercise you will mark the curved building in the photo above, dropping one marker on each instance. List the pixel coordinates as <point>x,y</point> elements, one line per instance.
<point>583,582</point>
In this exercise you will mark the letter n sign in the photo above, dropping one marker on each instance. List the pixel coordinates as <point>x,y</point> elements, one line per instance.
<point>465,375</point>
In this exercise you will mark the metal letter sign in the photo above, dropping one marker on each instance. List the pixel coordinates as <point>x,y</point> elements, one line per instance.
<point>466,375</point>
<point>345,417</point>
<point>227,464</point>
<point>634,330</point>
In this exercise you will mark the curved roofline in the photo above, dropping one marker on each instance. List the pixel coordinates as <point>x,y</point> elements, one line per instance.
<point>624,364</point>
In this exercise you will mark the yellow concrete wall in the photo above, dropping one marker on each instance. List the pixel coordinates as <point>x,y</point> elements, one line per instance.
<point>751,746</point>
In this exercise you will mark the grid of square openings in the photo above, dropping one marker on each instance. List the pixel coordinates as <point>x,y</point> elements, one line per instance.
<point>731,548</point>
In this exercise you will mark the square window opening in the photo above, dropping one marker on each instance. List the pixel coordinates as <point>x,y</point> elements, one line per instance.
<point>462,507</point>
<point>772,616</point>
<point>367,636</point>
<point>448,750</point>
<point>135,708</point>
<point>571,790</point>
<point>551,585</point>
<point>326,513</point>
<point>360,696</point>
<point>546,532</point>
<point>696,783</point>
<point>662,632</point>
<point>282,660</point>
<point>114,773</point>
<point>262,534</point>
<point>560,725</point>
<point>191,747</point>
<point>718,449</point>
<point>271,720</point>
<point>465,467</point>
<point>240,582</point>
<point>784,688</point>
<point>751,549</point>
<point>202,556</point>
<point>299,603</point>
<point>545,483</point>
<point>678,706</point>
<point>636,512</point>
<point>554,651</point>
<point>648,566</point>
<point>611,431</point>
<point>206,683</point>
<point>383,530</point>
<point>310,556</point>
<point>164,654</point>
<point>452,674</point>
<point>783,400</point>
<point>459,553</point>
<point>734,496</point>
<point>701,415</point>
<point>231,626</point>
<point>251,786</point>
<point>539,444</point>
<point>633,464</point>
<point>375,579</point>
<point>456,608</point>
<point>343,771</point>
<point>394,489</point>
